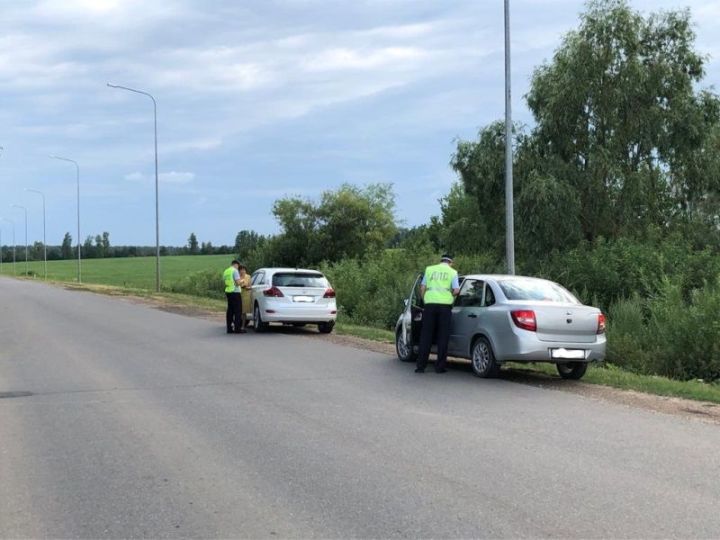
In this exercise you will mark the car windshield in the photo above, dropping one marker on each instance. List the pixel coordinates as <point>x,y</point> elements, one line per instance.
<point>297,279</point>
<point>535,289</point>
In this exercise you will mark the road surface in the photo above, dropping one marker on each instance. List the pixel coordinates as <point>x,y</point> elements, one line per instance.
<point>144,423</point>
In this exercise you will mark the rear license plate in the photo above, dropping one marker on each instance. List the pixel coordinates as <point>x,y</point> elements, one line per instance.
<point>307,299</point>
<point>571,354</point>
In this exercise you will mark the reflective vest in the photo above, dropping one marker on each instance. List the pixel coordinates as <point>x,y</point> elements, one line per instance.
<point>229,281</point>
<point>438,284</point>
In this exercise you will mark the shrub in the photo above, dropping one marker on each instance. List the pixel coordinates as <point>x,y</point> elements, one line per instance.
<point>207,283</point>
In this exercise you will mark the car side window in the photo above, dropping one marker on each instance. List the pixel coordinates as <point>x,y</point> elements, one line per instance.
<point>417,299</point>
<point>259,278</point>
<point>471,293</point>
<point>489,296</point>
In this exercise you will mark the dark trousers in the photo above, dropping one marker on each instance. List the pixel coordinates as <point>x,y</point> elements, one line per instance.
<point>436,319</point>
<point>233,313</point>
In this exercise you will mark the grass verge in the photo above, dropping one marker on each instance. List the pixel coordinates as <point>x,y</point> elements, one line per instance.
<point>610,375</point>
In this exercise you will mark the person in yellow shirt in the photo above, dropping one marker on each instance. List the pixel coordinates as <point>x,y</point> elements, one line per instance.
<point>439,287</point>
<point>231,278</point>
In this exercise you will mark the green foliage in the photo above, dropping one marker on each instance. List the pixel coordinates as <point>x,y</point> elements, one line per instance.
<point>204,283</point>
<point>668,334</point>
<point>371,291</point>
<point>193,248</point>
<point>346,223</point>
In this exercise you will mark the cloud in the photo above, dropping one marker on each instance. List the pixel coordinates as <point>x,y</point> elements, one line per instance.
<point>171,177</point>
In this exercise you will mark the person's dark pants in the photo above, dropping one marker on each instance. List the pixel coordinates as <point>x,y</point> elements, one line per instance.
<point>436,319</point>
<point>233,320</point>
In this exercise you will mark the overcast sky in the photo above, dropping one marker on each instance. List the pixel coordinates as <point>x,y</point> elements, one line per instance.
<point>257,100</point>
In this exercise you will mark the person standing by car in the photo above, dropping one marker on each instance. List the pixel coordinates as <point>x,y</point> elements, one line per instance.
<point>231,276</point>
<point>439,287</point>
<point>245,290</point>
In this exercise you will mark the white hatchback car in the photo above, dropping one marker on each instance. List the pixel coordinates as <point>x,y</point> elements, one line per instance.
<point>294,296</point>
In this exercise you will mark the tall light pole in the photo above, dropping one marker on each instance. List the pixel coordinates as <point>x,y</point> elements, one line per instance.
<point>77,169</point>
<point>26,241</point>
<point>509,221</point>
<point>11,222</point>
<point>44,239</point>
<point>157,204</point>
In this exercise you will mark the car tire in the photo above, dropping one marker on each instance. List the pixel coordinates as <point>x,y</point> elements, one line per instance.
<point>405,351</point>
<point>572,370</point>
<point>482,359</point>
<point>326,327</point>
<point>258,323</point>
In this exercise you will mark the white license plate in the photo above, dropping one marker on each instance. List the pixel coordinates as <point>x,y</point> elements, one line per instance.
<point>303,299</point>
<point>573,354</point>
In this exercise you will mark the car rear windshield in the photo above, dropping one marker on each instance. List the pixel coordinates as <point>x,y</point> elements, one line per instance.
<point>535,289</point>
<point>296,279</point>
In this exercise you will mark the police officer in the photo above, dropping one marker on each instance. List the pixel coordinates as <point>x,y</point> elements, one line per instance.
<point>233,320</point>
<point>439,286</point>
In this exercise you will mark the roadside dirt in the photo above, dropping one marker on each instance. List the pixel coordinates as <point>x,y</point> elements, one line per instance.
<point>697,410</point>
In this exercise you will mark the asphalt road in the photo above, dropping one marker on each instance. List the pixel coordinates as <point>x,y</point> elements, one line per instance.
<point>144,423</point>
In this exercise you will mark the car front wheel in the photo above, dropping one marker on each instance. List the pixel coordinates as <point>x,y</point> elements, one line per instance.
<point>572,370</point>
<point>326,327</point>
<point>404,349</point>
<point>258,323</point>
<point>483,359</point>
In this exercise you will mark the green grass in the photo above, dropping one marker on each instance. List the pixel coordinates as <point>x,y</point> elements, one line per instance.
<point>610,375</point>
<point>366,332</point>
<point>131,272</point>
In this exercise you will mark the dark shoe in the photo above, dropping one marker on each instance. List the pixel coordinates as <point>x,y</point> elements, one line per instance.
<point>443,370</point>
<point>241,331</point>
<point>419,370</point>
<point>230,331</point>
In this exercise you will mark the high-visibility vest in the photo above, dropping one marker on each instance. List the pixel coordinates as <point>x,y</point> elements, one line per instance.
<point>229,280</point>
<point>438,284</point>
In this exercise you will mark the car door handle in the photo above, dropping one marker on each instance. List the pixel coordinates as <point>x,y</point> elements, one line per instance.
<point>472,316</point>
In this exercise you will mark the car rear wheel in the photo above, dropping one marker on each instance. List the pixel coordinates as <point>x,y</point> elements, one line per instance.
<point>326,327</point>
<point>483,359</point>
<point>572,370</point>
<point>404,350</point>
<point>258,323</point>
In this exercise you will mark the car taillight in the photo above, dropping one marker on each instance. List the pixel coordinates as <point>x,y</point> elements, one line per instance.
<point>601,323</point>
<point>273,292</point>
<point>525,319</point>
<point>329,293</point>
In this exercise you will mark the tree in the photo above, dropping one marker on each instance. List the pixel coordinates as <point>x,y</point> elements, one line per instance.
<point>193,244</point>
<point>88,250</point>
<point>247,241</point>
<point>206,248</point>
<point>620,120</point>
<point>106,244</point>
<point>347,222</point>
<point>624,142</point>
<point>66,247</point>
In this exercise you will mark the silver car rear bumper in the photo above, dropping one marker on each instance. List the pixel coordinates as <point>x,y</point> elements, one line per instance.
<point>524,346</point>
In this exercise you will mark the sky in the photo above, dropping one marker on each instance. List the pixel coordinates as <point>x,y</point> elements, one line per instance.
<point>257,100</point>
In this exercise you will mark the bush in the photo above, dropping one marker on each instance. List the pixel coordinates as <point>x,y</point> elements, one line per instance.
<point>668,334</point>
<point>371,291</point>
<point>206,283</point>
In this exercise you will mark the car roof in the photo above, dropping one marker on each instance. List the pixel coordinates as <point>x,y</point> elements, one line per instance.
<point>497,277</point>
<point>276,270</point>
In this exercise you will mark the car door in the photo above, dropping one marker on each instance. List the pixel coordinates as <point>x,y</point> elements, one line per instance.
<point>466,314</point>
<point>256,287</point>
<point>416,311</point>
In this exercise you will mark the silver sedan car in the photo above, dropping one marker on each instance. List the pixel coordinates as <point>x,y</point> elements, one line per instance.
<point>498,319</point>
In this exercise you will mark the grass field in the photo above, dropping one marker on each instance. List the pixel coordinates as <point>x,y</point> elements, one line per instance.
<point>133,272</point>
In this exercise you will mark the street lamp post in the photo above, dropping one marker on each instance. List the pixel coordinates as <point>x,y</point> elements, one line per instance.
<point>26,240</point>
<point>157,204</point>
<point>44,238</point>
<point>77,169</point>
<point>509,221</point>
<point>11,222</point>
